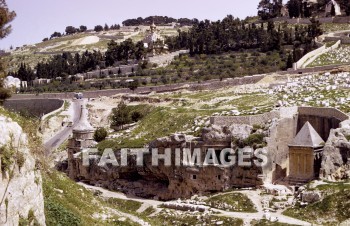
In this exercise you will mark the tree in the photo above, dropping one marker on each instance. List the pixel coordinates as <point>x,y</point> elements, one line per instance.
<point>294,7</point>
<point>98,28</point>
<point>100,134</point>
<point>290,61</point>
<point>333,10</point>
<point>82,28</point>
<point>134,85</point>
<point>120,115</point>
<point>70,30</point>
<point>55,35</point>
<point>6,16</point>
<point>106,27</point>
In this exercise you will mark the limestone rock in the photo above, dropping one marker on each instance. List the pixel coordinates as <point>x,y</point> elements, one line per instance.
<point>22,193</point>
<point>311,196</point>
<point>335,158</point>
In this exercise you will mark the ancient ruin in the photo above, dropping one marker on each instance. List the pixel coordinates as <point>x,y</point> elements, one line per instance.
<point>294,155</point>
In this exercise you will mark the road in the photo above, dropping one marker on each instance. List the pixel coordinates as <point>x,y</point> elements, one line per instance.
<point>63,135</point>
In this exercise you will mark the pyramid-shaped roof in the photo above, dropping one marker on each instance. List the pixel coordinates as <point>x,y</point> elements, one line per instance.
<point>307,137</point>
<point>83,124</point>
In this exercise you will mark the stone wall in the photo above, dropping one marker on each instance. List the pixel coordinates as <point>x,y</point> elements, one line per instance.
<point>343,39</point>
<point>314,57</point>
<point>323,112</point>
<point>301,62</point>
<point>211,84</point>
<point>248,120</point>
<point>311,56</point>
<point>312,69</point>
<point>281,134</point>
<point>322,119</point>
<point>34,107</point>
<point>322,20</point>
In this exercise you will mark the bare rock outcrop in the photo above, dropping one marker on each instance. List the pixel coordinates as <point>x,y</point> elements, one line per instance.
<point>336,155</point>
<point>216,133</point>
<point>167,182</point>
<point>21,195</point>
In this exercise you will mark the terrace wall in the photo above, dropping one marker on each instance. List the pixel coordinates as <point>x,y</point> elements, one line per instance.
<point>248,120</point>
<point>34,107</point>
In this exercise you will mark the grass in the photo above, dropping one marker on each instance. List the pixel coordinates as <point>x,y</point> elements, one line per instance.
<point>127,206</point>
<point>333,209</point>
<point>334,27</point>
<point>236,202</point>
<point>67,203</point>
<point>159,122</point>
<point>268,223</point>
<point>179,218</point>
<point>330,58</point>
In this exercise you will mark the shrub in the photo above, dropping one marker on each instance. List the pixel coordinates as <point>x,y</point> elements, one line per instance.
<point>120,115</point>
<point>136,116</point>
<point>56,214</point>
<point>4,94</point>
<point>6,157</point>
<point>255,140</point>
<point>100,134</point>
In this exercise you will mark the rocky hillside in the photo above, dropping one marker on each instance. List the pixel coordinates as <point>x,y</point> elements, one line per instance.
<point>31,54</point>
<point>21,194</point>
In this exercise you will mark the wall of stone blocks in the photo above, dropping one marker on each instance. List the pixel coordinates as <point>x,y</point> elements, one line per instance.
<point>249,120</point>
<point>34,107</point>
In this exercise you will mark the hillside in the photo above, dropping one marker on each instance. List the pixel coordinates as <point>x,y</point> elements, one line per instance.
<point>31,54</point>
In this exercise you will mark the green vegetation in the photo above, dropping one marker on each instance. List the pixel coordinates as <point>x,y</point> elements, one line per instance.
<point>157,122</point>
<point>100,134</point>
<point>268,223</point>
<point>255,140</point>
<point>232,202</point>
<point>170,217</point>
<point>124,114</point>
<point>6,157</point>
<point>127,206</point>
<point>332,57</point>
<point>67,203</point>
<point>29,220</point>
<point>227,65</point>
<point>331,210</point>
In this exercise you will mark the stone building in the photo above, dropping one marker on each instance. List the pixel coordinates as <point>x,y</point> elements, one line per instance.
<point>154,42</point>
<point>83,134</point>
<point>305,155</point>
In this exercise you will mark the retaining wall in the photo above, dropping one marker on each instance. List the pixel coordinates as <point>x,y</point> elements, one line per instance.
<point>34,107</point>
<point>311,56</point>
<point>322,20</point>
<point>208,85</point>
<point>248,120</point>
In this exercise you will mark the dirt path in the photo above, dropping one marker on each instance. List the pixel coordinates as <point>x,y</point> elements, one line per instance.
<point>253,195</point>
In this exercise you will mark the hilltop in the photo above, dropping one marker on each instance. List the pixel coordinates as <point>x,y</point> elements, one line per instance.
<point>89,40</point>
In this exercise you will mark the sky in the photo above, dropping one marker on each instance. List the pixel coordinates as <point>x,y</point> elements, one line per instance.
<point>37,19</point>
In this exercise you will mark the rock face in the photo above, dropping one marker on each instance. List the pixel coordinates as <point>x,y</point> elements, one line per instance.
<point>168,182</point>
<point>336,155</point>
<point>20,194</point>
<point>311,196</point>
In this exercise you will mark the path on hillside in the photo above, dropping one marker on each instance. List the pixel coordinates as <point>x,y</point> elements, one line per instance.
<point>247,217</point>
